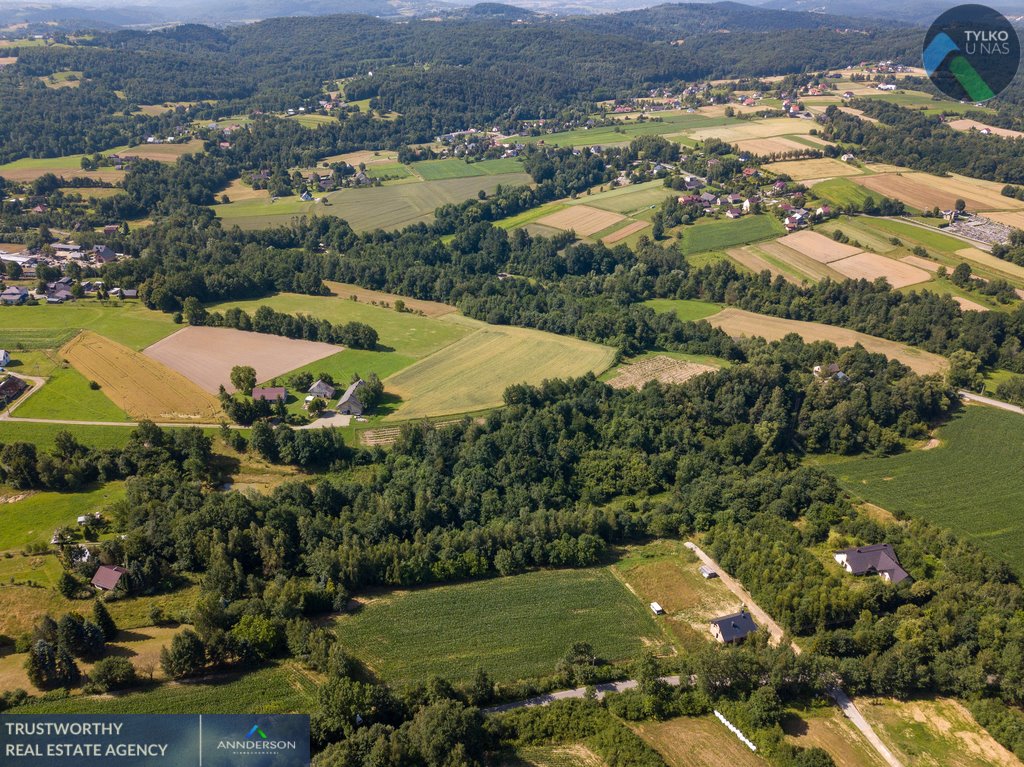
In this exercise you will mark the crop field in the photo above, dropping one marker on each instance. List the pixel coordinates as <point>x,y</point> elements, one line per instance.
<point>381,207</point>
<point>567,755</point>
<point>140,386</point>
<point>66,393</point>
<point>842,191</point>
<point>1010,218</point>
<point>739,130</point>
<point>767,146</point>
<point>685,309</point>
<point>279,689</point>
<point>628,129</point>
<point>514,628</point>
<point>925,191</point>
<point>739,324</point>
<point>627,199</point>
<point>828,729</point>
<point>754,259</point>
<point>697,741</point>
<point>658,368</point>
<point>403,333</point>
<point>473,373</point>
<point>967,125</point>
<point>791,261</point>
<point>49,327</point>
<point>938,731</point>
<point>1010,270</point>
<point>345,290</point>
<point>43,435</point>
<point>621,234</point>
<point>818,247</point>
<point>921,263</point>
<point>822,167</point>
<point>871,266</point>
<point>198,353</point>
<point>963,484</point>
<point>32,517</point>
<point>581,219</point>
<point>436,170</point>
<point>717,235</point>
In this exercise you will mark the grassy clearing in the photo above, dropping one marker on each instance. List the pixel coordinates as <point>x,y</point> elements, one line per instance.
<point>697,742</point>
<point>436,170</point>
<point>473,373</point>
<point>687,311</point>
<point>43,434</point>
<point>514,628</point>
<point>66,393</point>
<point>48,327</point>
<point>627,200</point>
<point>841,191</point>
<point>404,333</point>
<point>966,484</point>
<point>716,235</point>
<point>279,689</point>
<point>626,130</point>
<point>939,732</point>
<point>34,518</point>
<point>828,729</point>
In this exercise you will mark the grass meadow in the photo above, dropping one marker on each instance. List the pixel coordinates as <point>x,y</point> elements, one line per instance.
<point>49,327</point>
<point>34,518</point>
<point>66,393</point>
<point>627,130</point>
<point>967,484</point>
<point>686,310</point>
<point>513,628</point>
<point>715,235</point>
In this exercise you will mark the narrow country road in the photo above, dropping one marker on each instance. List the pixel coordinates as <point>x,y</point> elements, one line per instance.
<point>578,692</point>
<point>979,244</point>
<point>762,618</point>
<point>982,400</point>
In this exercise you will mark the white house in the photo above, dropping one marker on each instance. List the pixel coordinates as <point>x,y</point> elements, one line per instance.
<point>5,358</point>
<point>657,609</point>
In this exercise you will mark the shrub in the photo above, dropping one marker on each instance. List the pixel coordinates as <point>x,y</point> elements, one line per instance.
<point>113,674</point>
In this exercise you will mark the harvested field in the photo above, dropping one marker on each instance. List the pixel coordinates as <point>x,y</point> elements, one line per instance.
<point>767,146</point>
<point>751,257</point>
<point>697,742</point>
<point>748,129</point>
<point>801,263</point>
<point>857,113</point>
<point>364,156</point>
<point>817,246</point>
<point>1014,219</point>
<point>388,435</point>
<point>473,373</point>
<point>163,152</point>
<point>820,168</point>
<point>924,191</point>
<point>966,125</point>
<point>660,368</point>
<point>739,324</point>
<point>582,219</point>
<point>921,263</point>
<point>871,266</point>
<point>624,232</point>
<point>828,729</point>
<point>1010,269</point>
<point>140,386</point>
<point>205,355</point>
<point>428,308</point>
<point>968,305</point>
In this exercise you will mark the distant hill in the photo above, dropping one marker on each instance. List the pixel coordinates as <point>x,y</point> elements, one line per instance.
<point>498,10</point>
<point>912,11</point>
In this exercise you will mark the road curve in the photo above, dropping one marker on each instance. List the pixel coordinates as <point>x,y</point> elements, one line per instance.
<point>982,400</point>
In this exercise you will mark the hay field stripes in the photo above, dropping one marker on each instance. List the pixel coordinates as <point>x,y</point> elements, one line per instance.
<point>800,262</point>
<point>473,373</point>
<point>658,368</point>
<point>822,249</point>
<point>140,386</point>
<point>751,129</point>
<point>987,260</point>
<point>871,266</point>
<point>582,219</point>
<point>739,323</point>
<point>205,355</point>
<point>924,191</point>
<point>752,258</point>
<point>346,290</point>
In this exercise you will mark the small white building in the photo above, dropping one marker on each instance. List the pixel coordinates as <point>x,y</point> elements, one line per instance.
<point>5,358</point>
<point>706,572</point>
<point>657,609</point>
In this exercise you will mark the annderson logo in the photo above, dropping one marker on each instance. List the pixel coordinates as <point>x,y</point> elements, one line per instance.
<point>971,52</point>
<point>255,743</point>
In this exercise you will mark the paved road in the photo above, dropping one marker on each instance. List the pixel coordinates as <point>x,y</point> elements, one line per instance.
<point>578,692</point>
<point>763,619</point>
<point>972,397</point>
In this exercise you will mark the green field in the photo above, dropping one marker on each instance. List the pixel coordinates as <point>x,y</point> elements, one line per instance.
<point>969,484</point>
<point>437,170</point>
<point>927,237</point>
<point>392,170</point>
<point>514,628</point>
<point>66,393</point>
<point>33,519</point>
<point>49,327</point>
<point>473,373</point>
<point>715,235</point>
<point>625,132</point>
<point>842,191</point>
<point>628,199</point>
<point>283,688</point>
<point>381,207</point>
<point>686,310</point>
<point>42,435</point>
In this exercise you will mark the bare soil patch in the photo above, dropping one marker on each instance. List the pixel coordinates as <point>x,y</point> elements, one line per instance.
<point>205,355</point>
<point>871,266</point>
<point>660,368</point>
<point>582,219</point>
<point>968,305</point>
<point>921,263</point>
<point>818,246</point>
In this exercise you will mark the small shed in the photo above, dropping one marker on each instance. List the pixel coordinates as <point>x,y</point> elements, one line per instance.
<point>707,572</point>
<point>657,609</point>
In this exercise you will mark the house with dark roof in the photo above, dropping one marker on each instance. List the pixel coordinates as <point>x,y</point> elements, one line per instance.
<point>269,393</point>
<point>15,294</point>
<point>103,254</point>
<point>11,388</point>
<point>350,402</point>
<point>879,559</point>
<point>321,389</point>
<point>733,628</point>
<point>108,577</point>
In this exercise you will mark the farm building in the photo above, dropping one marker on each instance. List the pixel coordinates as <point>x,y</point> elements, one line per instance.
<point>657,609</point>
<point>879,559</point>
<point>108,577</point>
<point>102,254</point>
<point>14,295</point>
<point>350,404</point>
<point>10,389</point>
<point>5,358</point>
<point>706,572</point>
<point>270,393</point>
<point>733,628</point>
<point>321,389</point>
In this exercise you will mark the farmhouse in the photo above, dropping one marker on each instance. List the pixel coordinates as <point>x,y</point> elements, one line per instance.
<point>350,404</point>
<point>733,213</point>
<point>5,358</point>
<point>11,388</point>
<point>14,295</point>
<point>270,393</point>
<point>733,628</point>
<point>879,559</point>
<point>102,254</point>
<point>321,389</point>
<point>108,577</point>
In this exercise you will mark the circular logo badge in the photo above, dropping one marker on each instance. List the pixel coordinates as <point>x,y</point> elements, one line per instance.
<point>971,53</point>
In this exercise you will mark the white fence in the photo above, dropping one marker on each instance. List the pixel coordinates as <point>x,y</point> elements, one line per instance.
<point>736,731</point>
